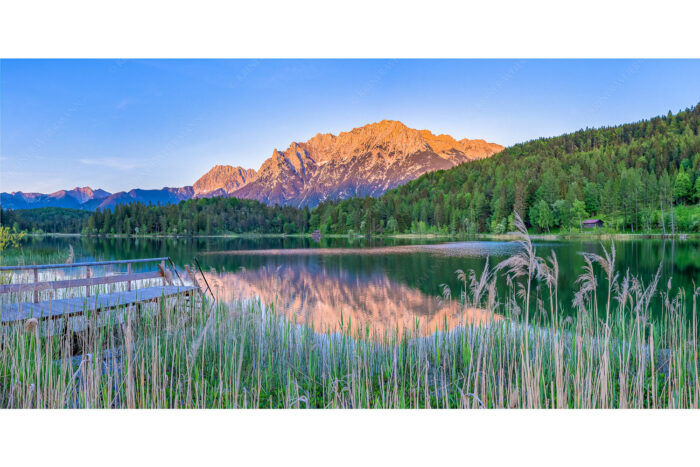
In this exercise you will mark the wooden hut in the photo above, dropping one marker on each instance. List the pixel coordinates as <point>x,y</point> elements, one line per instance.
<point>592,224</point>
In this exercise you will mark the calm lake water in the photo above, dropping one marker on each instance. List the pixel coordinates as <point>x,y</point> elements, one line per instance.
<point>374,281</point>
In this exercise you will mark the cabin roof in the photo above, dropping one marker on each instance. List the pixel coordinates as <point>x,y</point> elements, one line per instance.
<point>592,221</point>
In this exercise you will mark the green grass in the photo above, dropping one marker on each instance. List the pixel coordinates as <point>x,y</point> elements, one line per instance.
<point>245,356</point>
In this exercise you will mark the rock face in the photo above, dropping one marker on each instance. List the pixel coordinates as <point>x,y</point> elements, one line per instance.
<point>222,180</point>
<point>365,161</point>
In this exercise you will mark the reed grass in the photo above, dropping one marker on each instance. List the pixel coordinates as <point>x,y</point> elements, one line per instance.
<point>245,355</point>
<point>542,354</point>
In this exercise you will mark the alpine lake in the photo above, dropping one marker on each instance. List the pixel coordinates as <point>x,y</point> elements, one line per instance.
<point>382,281</point>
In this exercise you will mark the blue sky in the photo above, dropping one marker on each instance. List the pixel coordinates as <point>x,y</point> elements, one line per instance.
<point>122,124</point>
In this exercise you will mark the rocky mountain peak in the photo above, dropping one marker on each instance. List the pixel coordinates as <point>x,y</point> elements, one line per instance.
<point>223,177</point>
<point>367,160</point>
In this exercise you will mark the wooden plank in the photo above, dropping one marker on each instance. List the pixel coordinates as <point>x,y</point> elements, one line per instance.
<point>79,265</point>
<point>68,283</point>
<point>31,309</point>
<point>59,308</point>
<point>73,306</point>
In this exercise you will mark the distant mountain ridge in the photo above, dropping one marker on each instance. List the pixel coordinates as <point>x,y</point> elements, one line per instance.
<point>163,196</point>
<point>88,199</point>
<point>366,161</point>
<point>77,198</point>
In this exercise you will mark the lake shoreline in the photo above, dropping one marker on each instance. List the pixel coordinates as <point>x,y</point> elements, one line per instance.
<point>406,236</point>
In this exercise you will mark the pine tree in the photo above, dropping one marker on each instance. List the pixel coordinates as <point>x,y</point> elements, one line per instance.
<point>682,187</point>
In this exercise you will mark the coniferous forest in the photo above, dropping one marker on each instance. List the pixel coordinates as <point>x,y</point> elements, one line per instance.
<point>638,177</point>
<point>50,220</point>
<point>199,216</point>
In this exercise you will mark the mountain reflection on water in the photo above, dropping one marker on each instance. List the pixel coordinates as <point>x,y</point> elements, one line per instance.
<point>318,296</point>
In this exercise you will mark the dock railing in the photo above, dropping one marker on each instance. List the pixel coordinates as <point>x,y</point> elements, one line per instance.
<point>89,279</point>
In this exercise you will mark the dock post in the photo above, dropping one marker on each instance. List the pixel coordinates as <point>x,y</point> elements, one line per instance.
<point>36,291</point>
<point>88,275</point>
<point>128,272</point>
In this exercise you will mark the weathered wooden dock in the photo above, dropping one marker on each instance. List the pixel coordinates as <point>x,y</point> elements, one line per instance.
<point>65,307</point>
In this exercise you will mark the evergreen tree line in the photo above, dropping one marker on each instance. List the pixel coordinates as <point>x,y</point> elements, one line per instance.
<point>206,216</point>
<point>51,220</point>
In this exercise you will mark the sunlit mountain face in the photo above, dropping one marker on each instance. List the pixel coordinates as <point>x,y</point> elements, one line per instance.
<point>366,161</point>
<point>326,298</point>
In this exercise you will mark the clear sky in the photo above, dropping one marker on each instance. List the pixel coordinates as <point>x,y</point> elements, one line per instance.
<point>122,124</point>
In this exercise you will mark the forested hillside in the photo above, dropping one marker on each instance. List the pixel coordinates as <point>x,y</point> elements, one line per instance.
<point>629,176</point>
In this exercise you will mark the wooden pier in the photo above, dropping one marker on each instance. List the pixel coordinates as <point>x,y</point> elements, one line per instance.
<point>65,307</point>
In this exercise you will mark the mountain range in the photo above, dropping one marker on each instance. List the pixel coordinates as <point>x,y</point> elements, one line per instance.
<point>77,198</point>
<point>365,161</point>
<point>89,199</point>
